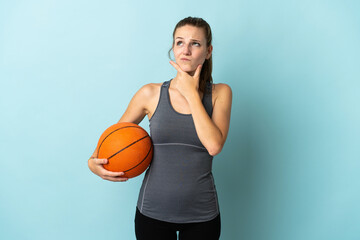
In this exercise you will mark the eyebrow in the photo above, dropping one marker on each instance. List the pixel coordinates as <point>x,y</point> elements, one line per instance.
<point>191,39</point>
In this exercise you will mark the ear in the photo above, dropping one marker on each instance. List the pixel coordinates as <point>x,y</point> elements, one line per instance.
<point>209,51</point>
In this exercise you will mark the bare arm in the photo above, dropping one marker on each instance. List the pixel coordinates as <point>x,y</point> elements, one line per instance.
<point>213,131</point>
<point>135,113</point>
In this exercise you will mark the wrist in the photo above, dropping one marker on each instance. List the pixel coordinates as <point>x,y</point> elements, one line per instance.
<point>193,96</point>
<point>90,162</point>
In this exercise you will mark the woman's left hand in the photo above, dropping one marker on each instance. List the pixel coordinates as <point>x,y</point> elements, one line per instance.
<point>189,85</point>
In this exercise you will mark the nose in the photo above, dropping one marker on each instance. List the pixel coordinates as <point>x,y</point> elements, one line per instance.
<point>186,50</point>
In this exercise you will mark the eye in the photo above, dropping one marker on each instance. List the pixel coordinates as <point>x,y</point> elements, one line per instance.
<point>193,43</point>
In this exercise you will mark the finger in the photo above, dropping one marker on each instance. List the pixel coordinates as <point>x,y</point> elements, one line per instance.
<point>113,174</point>
<point>115,179</point>
<point>198,71</point>
<point>101,161</point>
<point>175,65</point>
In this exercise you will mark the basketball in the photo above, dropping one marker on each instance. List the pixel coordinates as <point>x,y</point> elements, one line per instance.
<point>128,148</point>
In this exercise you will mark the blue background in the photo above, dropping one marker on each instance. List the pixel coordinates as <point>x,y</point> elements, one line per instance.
<point>290,168</point>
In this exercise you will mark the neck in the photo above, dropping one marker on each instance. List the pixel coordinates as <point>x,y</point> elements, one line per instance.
<point>175,81</point>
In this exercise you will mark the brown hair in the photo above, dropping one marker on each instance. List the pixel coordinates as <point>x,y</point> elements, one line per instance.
<point>205,75</point>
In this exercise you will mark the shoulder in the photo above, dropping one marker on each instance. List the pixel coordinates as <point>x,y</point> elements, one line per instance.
<point>221,91</point>
<point>149,90</point>
<point>222,102</point>
<point>221,87</point>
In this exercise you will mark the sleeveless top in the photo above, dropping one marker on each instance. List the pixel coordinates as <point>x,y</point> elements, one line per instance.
<point>178,186</point>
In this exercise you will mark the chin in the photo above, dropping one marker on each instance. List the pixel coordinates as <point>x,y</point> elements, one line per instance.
<point>187,68</point>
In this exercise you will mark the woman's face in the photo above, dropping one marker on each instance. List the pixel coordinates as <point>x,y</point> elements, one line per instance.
<point>190,48</point>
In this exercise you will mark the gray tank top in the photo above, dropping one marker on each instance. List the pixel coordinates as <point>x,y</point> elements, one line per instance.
<point>178,186</point>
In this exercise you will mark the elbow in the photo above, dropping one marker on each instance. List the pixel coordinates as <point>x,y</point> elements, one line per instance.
<point>215,149</point>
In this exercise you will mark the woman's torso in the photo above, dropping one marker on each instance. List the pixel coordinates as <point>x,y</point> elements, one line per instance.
<point>178,186</point>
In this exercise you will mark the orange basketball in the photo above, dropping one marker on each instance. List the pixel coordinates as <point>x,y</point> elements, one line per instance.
<point>128,148</point>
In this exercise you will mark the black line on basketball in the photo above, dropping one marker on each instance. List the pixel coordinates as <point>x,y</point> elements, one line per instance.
<point>112,133</point>
<point>127,146</point>
<point>151,147</point>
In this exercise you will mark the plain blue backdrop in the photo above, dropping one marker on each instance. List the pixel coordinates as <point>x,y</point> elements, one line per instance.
<point>290,169</point>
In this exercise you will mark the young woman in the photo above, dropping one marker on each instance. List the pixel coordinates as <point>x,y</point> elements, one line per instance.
<point>189,121</point>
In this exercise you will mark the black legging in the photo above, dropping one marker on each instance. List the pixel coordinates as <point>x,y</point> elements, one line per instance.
<point>152,229</point>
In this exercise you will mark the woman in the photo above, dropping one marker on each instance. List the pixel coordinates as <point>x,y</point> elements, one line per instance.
<point>189,122</point>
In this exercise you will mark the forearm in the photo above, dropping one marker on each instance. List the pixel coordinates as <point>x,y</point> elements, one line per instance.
<point>208,133</point>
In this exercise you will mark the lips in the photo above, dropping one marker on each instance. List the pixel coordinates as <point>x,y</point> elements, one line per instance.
<point>184,59</point>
